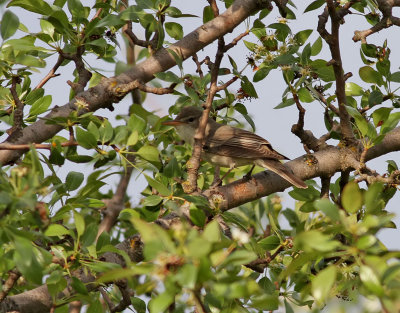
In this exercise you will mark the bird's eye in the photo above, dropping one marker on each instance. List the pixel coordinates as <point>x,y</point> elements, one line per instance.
<point>191,119</point>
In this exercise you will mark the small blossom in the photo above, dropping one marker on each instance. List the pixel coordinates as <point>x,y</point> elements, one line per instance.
<point>240,236</point>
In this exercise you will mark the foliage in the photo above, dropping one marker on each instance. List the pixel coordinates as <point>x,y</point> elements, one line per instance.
<point>256,257</point>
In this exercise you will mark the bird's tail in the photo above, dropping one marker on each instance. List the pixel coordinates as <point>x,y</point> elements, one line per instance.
<point>278,168</point>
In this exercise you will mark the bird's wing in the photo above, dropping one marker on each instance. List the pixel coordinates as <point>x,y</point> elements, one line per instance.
<point>239,143</point>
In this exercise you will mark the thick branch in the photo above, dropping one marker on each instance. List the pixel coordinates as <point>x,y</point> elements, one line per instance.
<point>322,163</point>
<point>100,97</point>
<point>333,42</point>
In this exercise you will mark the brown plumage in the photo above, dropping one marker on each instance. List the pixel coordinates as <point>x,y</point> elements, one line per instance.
<point>228,146</point>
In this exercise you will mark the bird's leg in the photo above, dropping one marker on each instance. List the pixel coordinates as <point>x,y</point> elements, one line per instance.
<point>248,175</point>
<point>219,181</point>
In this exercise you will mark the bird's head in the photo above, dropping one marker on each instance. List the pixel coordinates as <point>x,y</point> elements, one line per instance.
<point>188,116</point>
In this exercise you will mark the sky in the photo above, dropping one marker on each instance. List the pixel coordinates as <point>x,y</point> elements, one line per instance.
<point>271,124</point>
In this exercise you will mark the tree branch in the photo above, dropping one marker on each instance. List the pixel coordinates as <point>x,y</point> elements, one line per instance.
<point>51,73</point>
<point>322,163</point>
<point>333,41</point>
<point>387,20</point>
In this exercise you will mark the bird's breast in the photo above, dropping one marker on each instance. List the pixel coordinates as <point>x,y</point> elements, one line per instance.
<point>225,161</point>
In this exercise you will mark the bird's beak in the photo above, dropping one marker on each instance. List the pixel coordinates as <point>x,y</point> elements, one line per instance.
<point>173,123</point>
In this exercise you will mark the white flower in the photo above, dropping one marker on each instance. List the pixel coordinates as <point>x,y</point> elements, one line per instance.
<point>240,236</point>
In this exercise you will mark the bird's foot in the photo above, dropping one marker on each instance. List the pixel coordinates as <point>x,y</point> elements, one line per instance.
<point>248,175</point>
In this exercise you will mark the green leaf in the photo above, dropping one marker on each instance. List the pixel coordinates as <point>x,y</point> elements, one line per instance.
<point>9,24</point>
<point>375,97</point>
<point>285,103</point>
<point>249,45</point>
<point>302,36</point>
<point>305,54</point>
<point>314,5</point>
<point>369,75</point>
<point>316,47</point>
<point>269,243</point>
<point>212,232</point>
<point>76,8</point>
<point>371,280</point>
<point>172,169</point>
<point>163,190</point>
<point>110,20</point>
<point>197,216</point>
<point>240,257</point>
<point>282,30</point>
<point>366,241</point>
<point>137,123</point>
<point>47,27</point>
<point>363,125</point>
<point>36,6</point>
<point>321,285</point>
<point>40,106</point>
<point>149,153</point>
<point>168,77</point>
<point>161,302</point>
<point>305,95</point>
<point>370,50</point>
<point>79,286</point>
<point>248,87</point>
<point>395,77</point>
<point>352,89</point>
<point>85,139</point>
<point>324,71</point>
<point>152,200</point>
<point>265,302</point>
<point>138,304</point>
<point>56,230</point>
<point>329,208</point>
<point>314,240</point>
<point>79,223</point>
<point>390,123</point>
<point>29,60</point>
<point>261,74</point>
<point>175,30</point>
<point>132,139</point>
<point>73,180</point>
<point>352,198</point>
<point>208,14</point>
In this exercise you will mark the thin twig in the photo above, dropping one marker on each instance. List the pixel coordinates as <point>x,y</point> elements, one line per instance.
<point>306,136</point>
<point>228,83</point>
<point>122,89</point>
<point>19,110</point>
<point>198,65</point>
<point>116,204</point>
<point>47,146</point>
<point>260,264</point>
<point>236,40</point>
<point>194,161</point>
<point>51,73</point>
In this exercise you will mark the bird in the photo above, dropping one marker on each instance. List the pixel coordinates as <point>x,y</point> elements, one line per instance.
<point>232,147</point>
